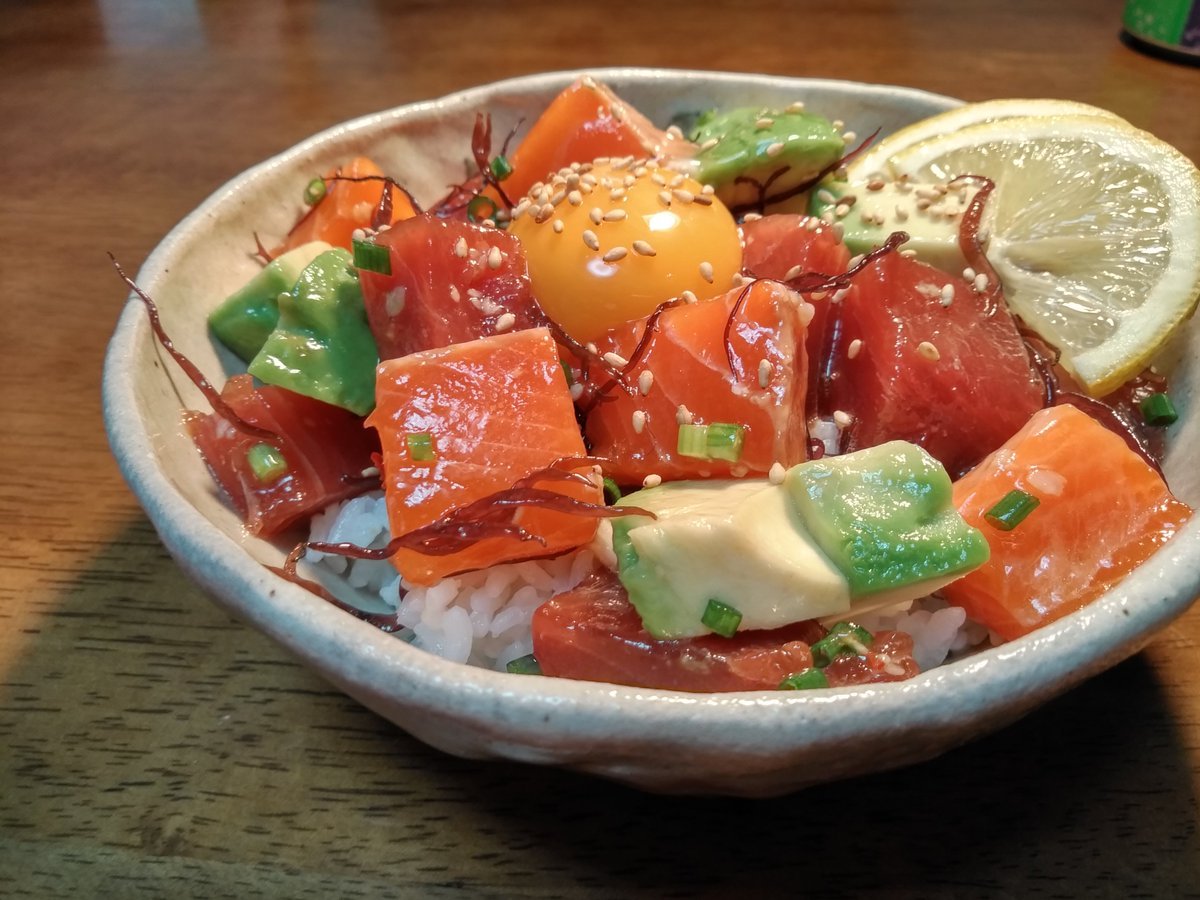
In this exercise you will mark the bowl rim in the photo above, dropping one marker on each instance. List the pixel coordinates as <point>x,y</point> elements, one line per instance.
<point>385,671</point>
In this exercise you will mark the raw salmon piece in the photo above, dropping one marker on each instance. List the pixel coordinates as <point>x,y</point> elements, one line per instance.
<point>347,205</point>
<point>1103,512</point>
<point>497,409</point>
<point>688,364</point>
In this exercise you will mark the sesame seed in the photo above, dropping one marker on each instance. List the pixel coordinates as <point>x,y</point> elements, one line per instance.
<point>558,197</point>
<point>645,381</point>
<point>876,184</point>
<point>614,215</point>
<point>460,248</point>
<point>908,254</point>
<point>812,224</point>
<point>664,197</point>
<point>454,294</point>
<point>614,254</point>
<point>750,216</point>
<point>683,195</point>
<point>358,235</point>
<point>543,213</point>
<point>370,472</point>
<point>494,258</point>
<point>588,180</point>
<point>854,349</point>
<point>806,312</point>
<point>616,360</point>
<point>591,347</point>
<point>825,196</point>
<point>616,194</point>
<point>764,123</point>
<point>505,322</point>
<point>981,283</point>
<point>850,137</point>
<point>839,295</point>
<point>638,420</point>
<point>854,261</point>
<point>676,181</point>
<point>558,226</point>
<point>775,149</point>
<point>901,213</point>
<point>765,368</point>
<point>706,271</point>
<point>838,229</point>
<point>740,280</point>
<point>702,200</point>
<point>596,214</point>
<point>928,351</point>
<point>708,189</point>
<point>793,272</point>
<point>641,248</point>
<point>688,297</point>
<point>576,390</point>
<point>842,419</point>
<point>618,112</point>
<point>574,197</point>
<point>796,107</point>
<point>657,178</point>
<point>589,238</point>
<point>709,144</point>
<point>652,480</point>
<point>841,210</point>
<point>838,124</point>
<point>683,415</point>
<point>947,294</point>
<point>968,274</point>
<point>818,295</point>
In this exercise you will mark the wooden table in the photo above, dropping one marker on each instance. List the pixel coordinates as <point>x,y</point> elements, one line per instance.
<point>152,746</point>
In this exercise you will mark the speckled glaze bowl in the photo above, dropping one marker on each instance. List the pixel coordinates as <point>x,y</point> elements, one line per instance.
<point>750,744</point>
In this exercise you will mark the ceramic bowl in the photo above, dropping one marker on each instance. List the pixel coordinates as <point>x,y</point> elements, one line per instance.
<point>750,744</point>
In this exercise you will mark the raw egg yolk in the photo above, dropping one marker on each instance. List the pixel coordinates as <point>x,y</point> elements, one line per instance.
<point>608,242</point>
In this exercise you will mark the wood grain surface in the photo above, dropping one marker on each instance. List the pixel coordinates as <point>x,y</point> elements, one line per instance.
<point>150,746</point>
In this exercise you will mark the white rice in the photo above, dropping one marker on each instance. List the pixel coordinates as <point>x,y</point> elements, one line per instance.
<point>483,618</point>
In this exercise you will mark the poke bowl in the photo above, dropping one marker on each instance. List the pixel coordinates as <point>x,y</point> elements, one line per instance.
<point>754,743</point>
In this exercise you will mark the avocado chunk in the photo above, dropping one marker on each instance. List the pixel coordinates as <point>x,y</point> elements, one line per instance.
<point>738,542</point>
<point>755,143</point>
<point>885,517</point>
<point>322,346</point>
<point>879,207</point>
<point>246,318</point>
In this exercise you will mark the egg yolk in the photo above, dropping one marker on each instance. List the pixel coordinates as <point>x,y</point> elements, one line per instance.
<point>608,242</point>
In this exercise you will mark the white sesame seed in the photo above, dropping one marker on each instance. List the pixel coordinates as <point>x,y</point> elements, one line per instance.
<point>764,123</point>
<point>793,272</point>
<point>683,415</point>
<point>709,144</point>
<point>664,197</point>
<point>981,283</point>
<point>765,368</point>
<point>615,254</point>
<point>706,271</point>
<point>947,294</point>
<point>854,261</point>
<point>494,258</point>
<point>616,194</point>
<point>908,254</point>
<point>576,390</point>
<point>683,195</point>
<point>708,189</point>
<point>818,295</point>
<point>588,180</point>
<point>558,226</point>
<point>777,473</point>
<point>750,216</point>
<point>842,419</point>
<point>591,347</point>
<point>796,107</point>
<point>645,381</point>
<point>901,213</point>
<point>505,322</point>
<point>838,124</point>
<point>641,248</point>
<point>370,472</point>
<point>638,420</point>
<point>806,312</point>
<point>616,360</point>
<point>596,214</point>
<point>359,235</point>
<point>615,215</point>
<point>928,351</point>
<point>838,229</point>
<point>812,224</point>
<point>968,274</point>
<point>849,137</point>
<point>652,480</point>
<point>854,349</point>
<point>839,295</point>
<point>658,178</point>
<point>589,238</point>
<point>775,149</point>
<point>544,212</point>
<point>618,112</point>
<point>876,184</point>
<point>688,297</point>
<point>454,294</point>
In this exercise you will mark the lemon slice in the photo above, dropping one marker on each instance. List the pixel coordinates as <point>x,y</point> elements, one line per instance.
<point>875,159</point>
<point>1094,230</point>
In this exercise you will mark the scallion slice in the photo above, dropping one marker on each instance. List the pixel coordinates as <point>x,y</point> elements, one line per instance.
<point>481,207</point>
<point>524,665</point>
<point>612,491</point>
<point>805,681</point>
<point>724,441</point>
<point>314,191</point>
<point>420,446</point>
<point>721,618</point>
<point>371,257</point>
<point>843,638</point>
<point>1157,409</point>
<point>693,441</point>
<point>1011,510</point>
<point>501,167</point>
<point>266,462</point>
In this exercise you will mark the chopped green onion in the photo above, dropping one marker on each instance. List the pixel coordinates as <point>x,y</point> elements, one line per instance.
<point>804,681</point>
<point>314,191</point>
<point>475,209</point>
<point>724,441</point>
<point>501,167</point>
<point>721,618</point>
<point>1157,409</point>
<point>266,462</point>
<point>567,371</point>
<point>843,638</point>
<point>612,491</point>
<point>370,256</point>
<point>420,446</point>
<point>1011,510</point>
<point>693,441</point>
<point>524,665</point>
